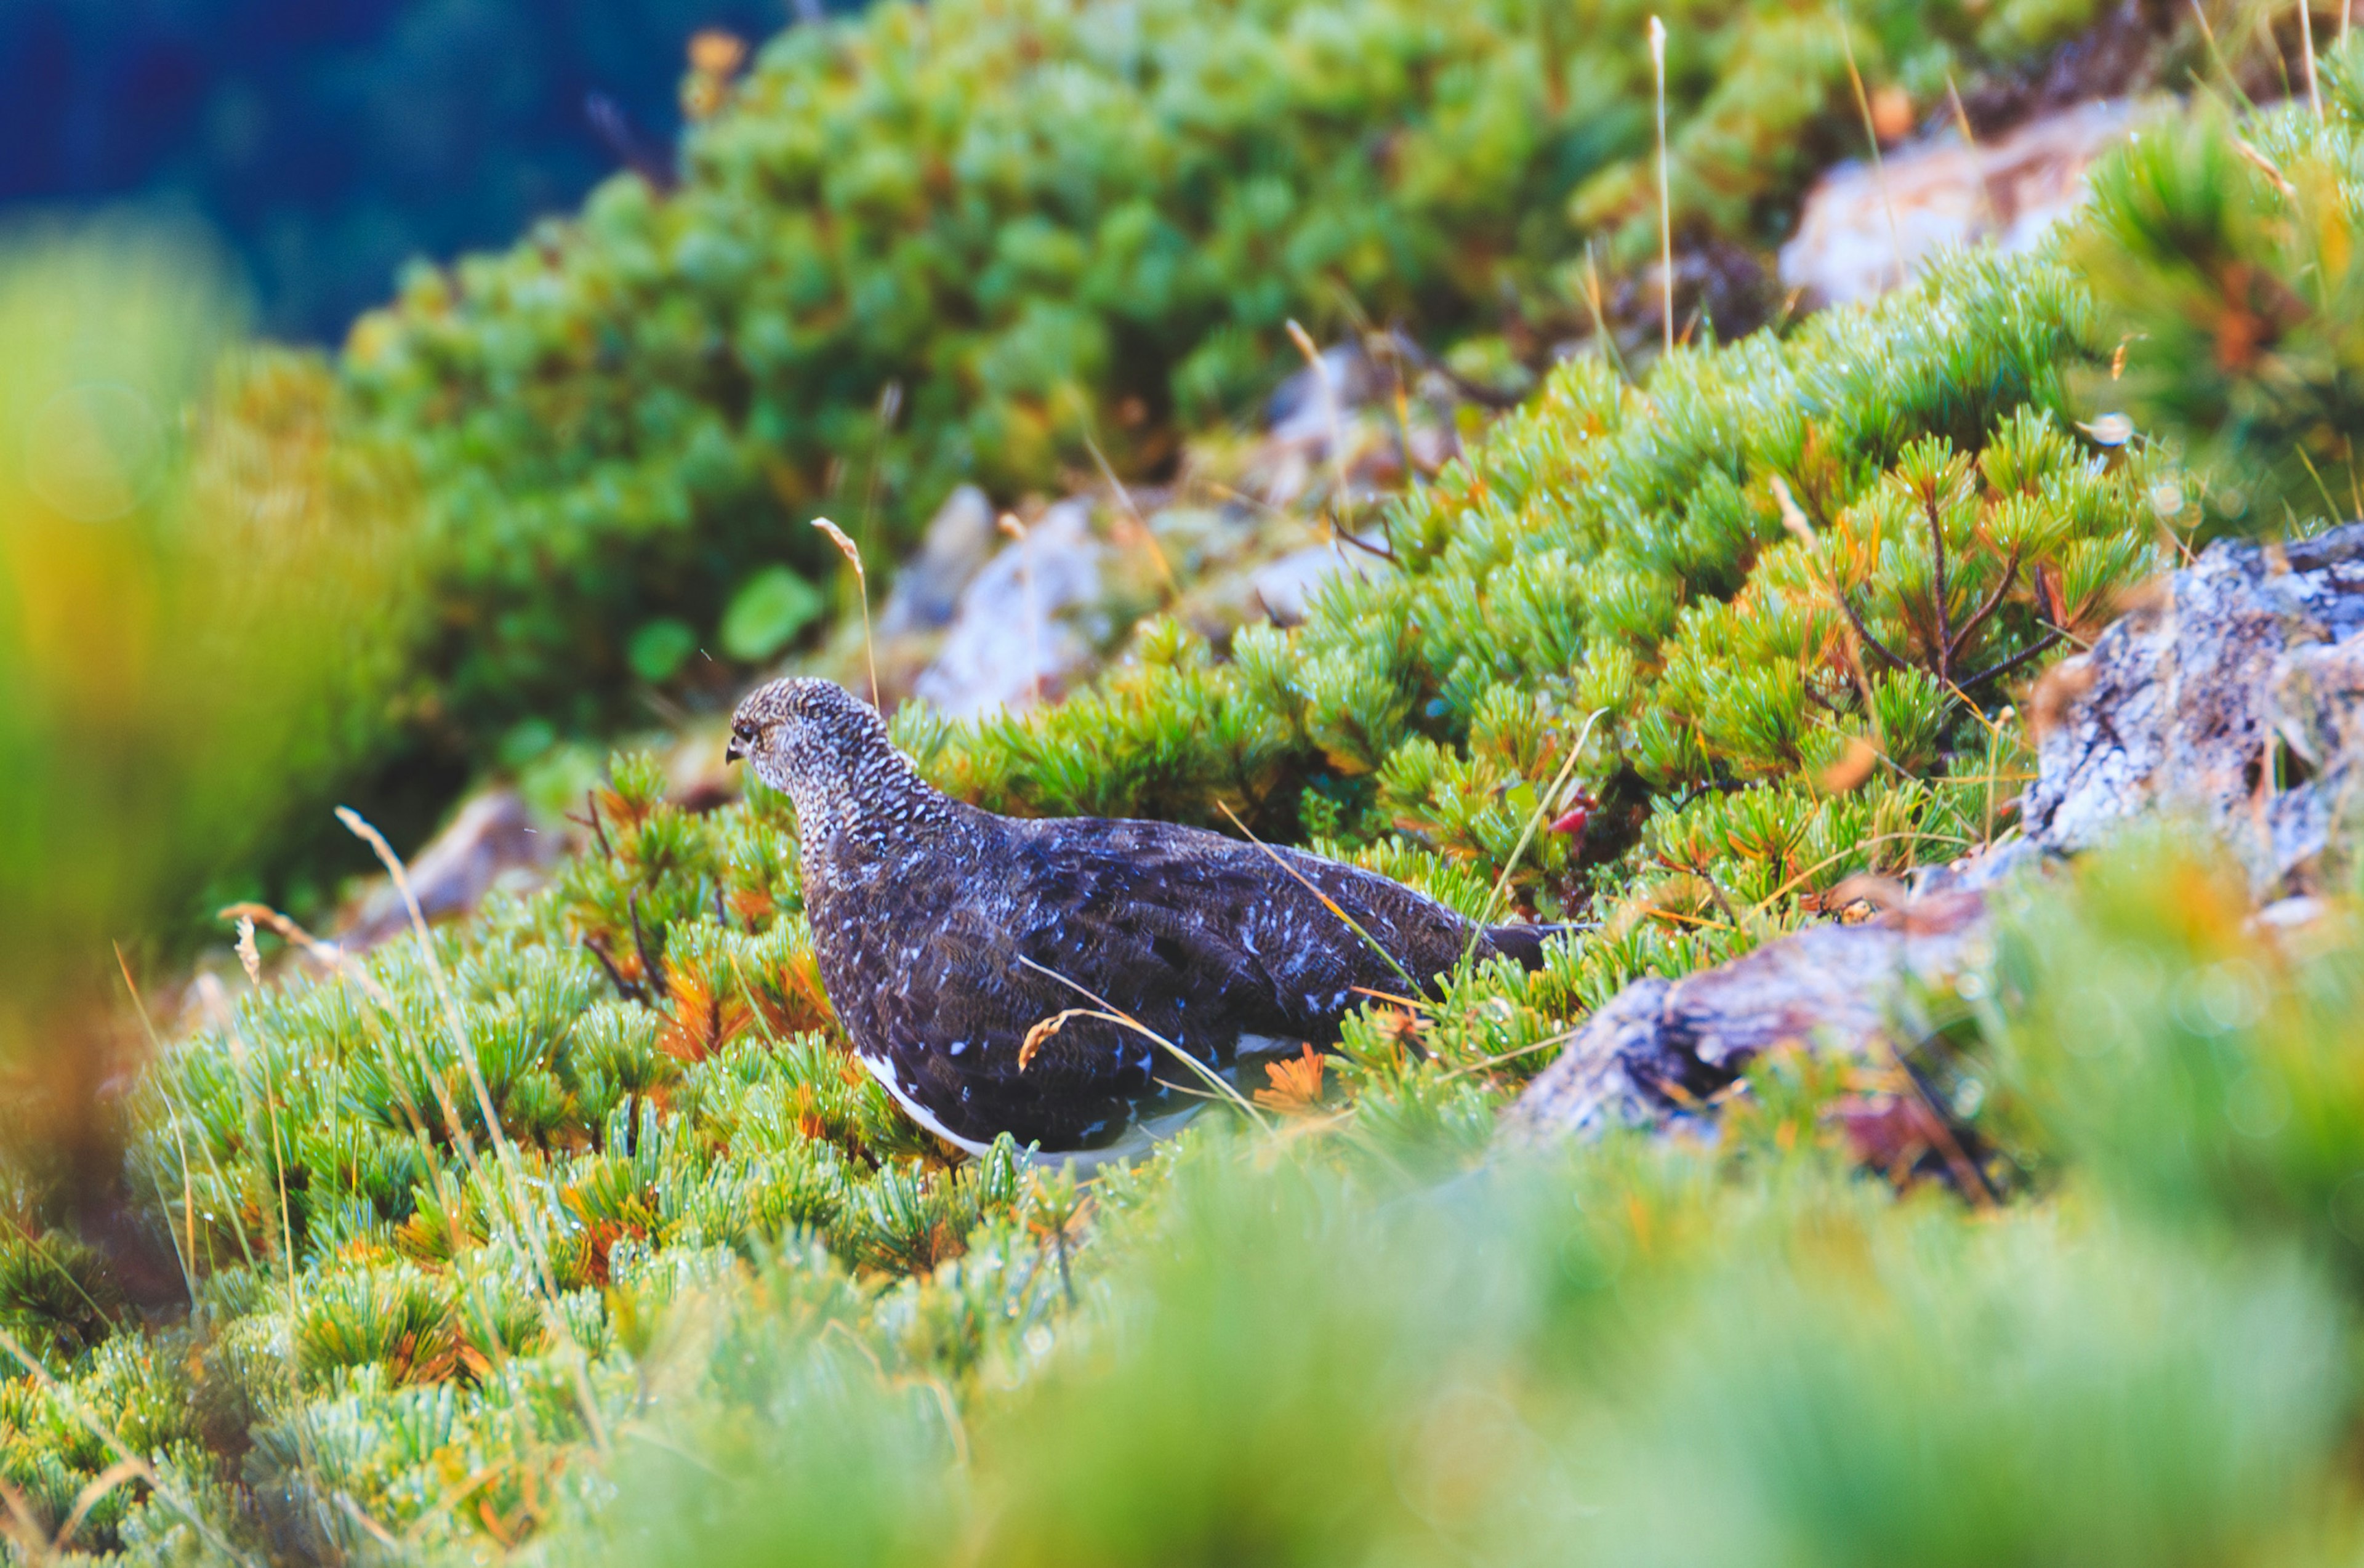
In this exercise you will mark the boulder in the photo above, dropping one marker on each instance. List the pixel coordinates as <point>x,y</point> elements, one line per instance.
<point>1661,1048</point>
<point>2233,694</point>
<point>1029,625</point>
<point>958,543</point>
<point>1944,192</point>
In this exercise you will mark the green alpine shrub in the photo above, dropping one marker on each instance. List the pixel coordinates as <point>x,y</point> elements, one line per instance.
<point>978,240</point>
<point>1726,584</point>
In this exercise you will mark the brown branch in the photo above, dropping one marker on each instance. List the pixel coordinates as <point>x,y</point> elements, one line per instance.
<point>652,967</point>
<point>1863,631</point>
<point>1945,646</point>
<point>1713,891</point>
<point>591,804</point>
<point>1403,343</point>
<point>624,987</point>
<point>1994,601</point>
<point>2013,662</point>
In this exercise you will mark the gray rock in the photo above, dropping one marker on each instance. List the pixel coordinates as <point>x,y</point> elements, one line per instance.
<point>2235,697</point>
<point>2247,665</point>
<point>1661,1047</point>
<point>1944,194</point>
<point>1302,407</point>
<point>490,843</point>
<point>1287,587</point>
<point>926,591</point>
<point>1030,624</point>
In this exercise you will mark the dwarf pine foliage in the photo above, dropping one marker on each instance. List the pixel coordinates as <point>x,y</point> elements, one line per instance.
<point>445,1216</point>
<point>977,241</point>
<point>1781,595</point>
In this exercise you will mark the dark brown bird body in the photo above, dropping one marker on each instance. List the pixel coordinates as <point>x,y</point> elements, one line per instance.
<point>945,934</point>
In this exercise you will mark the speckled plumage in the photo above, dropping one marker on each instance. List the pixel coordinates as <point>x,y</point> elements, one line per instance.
<point>940,927</point>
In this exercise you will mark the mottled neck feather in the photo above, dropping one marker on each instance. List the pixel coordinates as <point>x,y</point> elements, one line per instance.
<point>864,796</point>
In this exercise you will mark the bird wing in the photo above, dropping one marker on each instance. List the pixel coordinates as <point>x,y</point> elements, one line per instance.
<point>1200,941</point>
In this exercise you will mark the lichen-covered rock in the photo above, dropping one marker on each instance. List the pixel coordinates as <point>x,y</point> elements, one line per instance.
<point>958,543</point>
<point>1661,1047</point>
<point>2232,696</point>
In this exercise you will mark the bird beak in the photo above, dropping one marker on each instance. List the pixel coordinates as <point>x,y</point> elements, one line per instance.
<point>731,752</point>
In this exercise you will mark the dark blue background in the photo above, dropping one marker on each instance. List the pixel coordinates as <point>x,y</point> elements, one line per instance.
<point>330,140</point>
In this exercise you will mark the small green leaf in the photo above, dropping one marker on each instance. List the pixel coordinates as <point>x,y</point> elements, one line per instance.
<point>658,649</point>
<point>767,612</point>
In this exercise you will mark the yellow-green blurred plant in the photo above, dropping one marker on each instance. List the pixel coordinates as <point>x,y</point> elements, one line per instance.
<point>2201,1066</point>
<point>2227,256</point>
<point>196,600</point>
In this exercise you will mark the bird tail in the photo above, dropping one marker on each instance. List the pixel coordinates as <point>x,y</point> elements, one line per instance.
<point>1525,943</point>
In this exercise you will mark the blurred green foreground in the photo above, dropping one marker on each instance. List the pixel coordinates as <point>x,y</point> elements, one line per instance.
<point>194,593</point>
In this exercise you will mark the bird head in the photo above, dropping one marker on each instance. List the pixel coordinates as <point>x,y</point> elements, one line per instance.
<point>802,736</point>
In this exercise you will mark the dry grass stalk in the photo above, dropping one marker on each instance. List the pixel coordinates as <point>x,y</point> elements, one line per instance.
<point>1871,136</point>
<point>846,548</point>
<point>1328,903</point>
<point>2306,47</point>
<point>505,1152</point>
<point>1547,806</point>
<point>186,1254</point>
<point>1332,407</point>
<point>1666,205</point>
<point>1110,1012</point>
<point>1139,523</point>
<point>1793,517</point>
<point>216,1005</point>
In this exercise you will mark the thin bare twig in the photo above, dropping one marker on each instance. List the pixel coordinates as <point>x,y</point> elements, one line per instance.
<point>1863,631</point>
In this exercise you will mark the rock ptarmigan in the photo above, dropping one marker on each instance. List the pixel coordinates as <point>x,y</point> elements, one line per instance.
<point>945,934</point>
